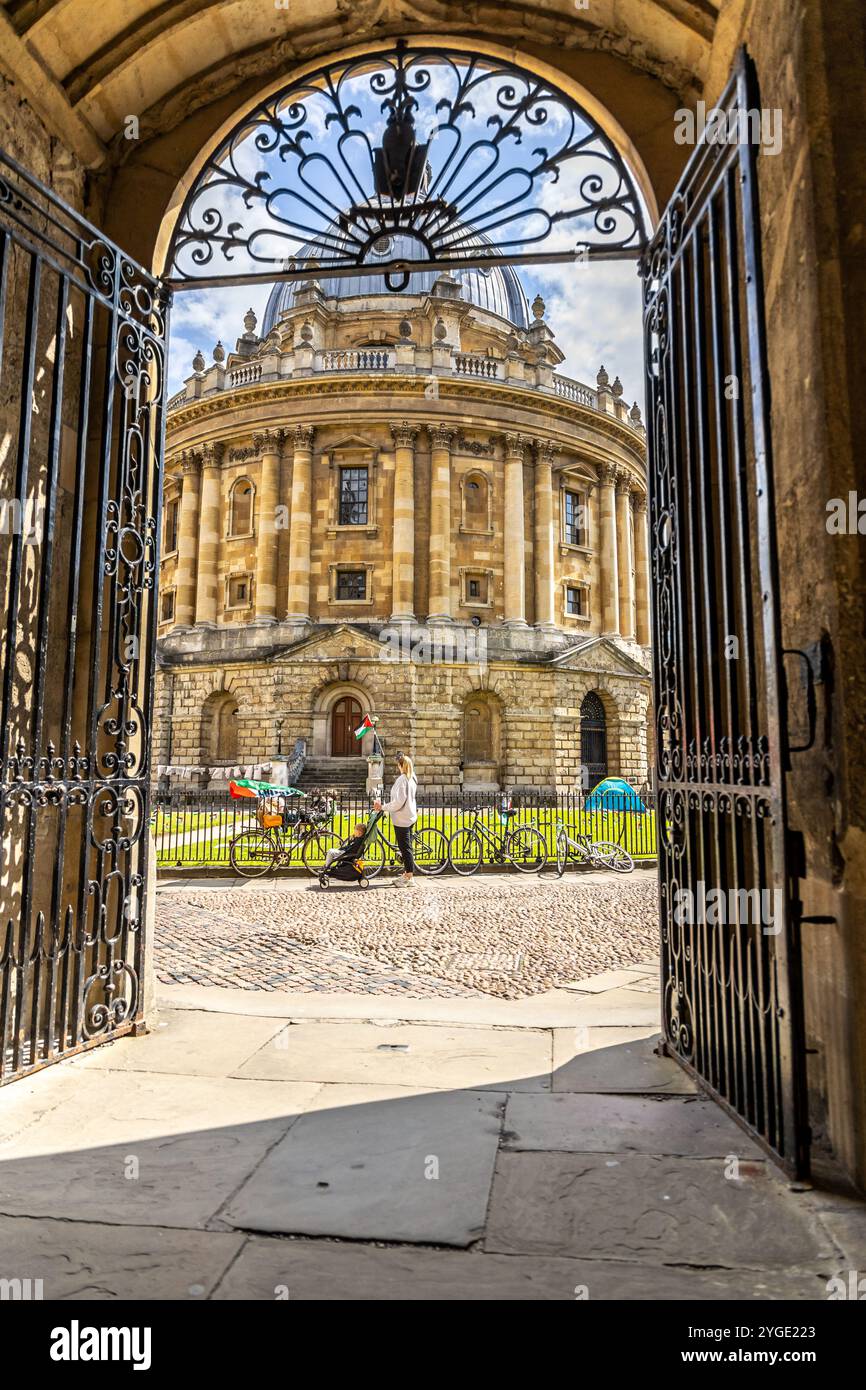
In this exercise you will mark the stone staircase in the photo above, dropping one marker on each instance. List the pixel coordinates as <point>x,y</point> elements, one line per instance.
<point>346,775</point>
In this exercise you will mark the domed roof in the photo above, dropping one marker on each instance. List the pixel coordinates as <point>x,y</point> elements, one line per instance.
<point>494,288</point>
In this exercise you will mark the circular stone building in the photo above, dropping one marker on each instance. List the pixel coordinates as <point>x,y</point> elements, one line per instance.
<point>393,504</point>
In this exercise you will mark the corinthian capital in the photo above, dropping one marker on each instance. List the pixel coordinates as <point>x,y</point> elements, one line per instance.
<point>212,454</point>
<point>303,436</point>
<point>545,451</point>
<point>515,446</point>
<point>268,441</point>
<point>607,473</point>
<point>190,461</point>
<point>624,483</point>
<point>404,434</point>
<point>638,501</point>
<point>440,436</point>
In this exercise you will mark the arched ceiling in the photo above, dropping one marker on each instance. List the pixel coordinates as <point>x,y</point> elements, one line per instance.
<point>88,65</point>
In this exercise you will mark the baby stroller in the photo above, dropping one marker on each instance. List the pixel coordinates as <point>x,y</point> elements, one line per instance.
<point>349,866</point>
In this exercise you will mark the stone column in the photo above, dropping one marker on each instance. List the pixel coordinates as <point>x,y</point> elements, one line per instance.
<point>625,555</point>
<point>403,555</point>
<point>641,568</point>
<point>207,578</point>
<point>187,540</point>
<point>514,534</point>
<point>268,446</point>
<point>545,615</point>
<point>439,603</point>
<point>300,526</point>
<point>607,551</point>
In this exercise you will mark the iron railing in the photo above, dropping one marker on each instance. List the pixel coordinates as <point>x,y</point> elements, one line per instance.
<point>196,829</point>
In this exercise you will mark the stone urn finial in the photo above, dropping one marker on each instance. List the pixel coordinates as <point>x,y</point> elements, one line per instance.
<point>538,307</point>
<point>405,330</point>
<point>198,362</point>
<point>617,387</point>
<point>250,322</point>
<point>603,379</point>
<point>440,332</point>
<point>634,414</point>
<point>307,332</point>
<point>219,353</point>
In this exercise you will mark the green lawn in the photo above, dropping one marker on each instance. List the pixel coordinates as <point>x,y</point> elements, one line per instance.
<point>203,838</point>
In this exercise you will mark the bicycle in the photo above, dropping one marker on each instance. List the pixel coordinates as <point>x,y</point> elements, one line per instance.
<point>600,854</point>
<point>282,835</point>
<point>523,847</point>
<point>429,850</point>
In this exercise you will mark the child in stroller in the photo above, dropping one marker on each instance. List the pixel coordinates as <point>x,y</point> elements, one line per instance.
<point>346,863</point>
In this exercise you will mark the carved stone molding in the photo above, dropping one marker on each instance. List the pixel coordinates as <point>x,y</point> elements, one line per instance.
<point>404,434</point>
<point>441,436</point>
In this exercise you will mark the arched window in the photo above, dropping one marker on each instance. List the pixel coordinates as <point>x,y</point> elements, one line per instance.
<point>593,738</point>
<point>241,508</point>
<point>476,510</point>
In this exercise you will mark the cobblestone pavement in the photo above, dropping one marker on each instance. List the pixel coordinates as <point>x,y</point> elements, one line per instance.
<point>503,935</point>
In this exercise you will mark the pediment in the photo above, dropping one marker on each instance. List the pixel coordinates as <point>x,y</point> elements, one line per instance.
<point>343,643</point>
<point>599,654</point>
<point>352,444</point>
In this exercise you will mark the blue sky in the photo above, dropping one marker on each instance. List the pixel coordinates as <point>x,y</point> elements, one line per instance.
<point>593,310</point>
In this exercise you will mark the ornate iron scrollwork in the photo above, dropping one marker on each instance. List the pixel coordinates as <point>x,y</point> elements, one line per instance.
<point>460,173</point>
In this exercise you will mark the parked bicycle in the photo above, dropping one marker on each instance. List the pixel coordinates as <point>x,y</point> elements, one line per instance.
<point>286,832</point>
<point>429,850</point>
<point>523,847</point>
<point>600,854</point>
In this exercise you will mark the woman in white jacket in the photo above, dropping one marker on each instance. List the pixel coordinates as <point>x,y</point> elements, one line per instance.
<point>403,812</point>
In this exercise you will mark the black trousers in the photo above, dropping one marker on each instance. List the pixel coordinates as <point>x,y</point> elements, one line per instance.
<point>403,835</point>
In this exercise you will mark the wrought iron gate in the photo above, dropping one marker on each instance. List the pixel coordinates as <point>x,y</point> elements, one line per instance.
<point>82,344</point>
<point>730,947</point>
<point>593,739</point>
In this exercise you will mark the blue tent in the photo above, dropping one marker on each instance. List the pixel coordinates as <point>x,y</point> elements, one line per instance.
<point>614,794</point>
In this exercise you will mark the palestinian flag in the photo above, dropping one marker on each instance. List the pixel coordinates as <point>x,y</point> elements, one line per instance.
<point>245,787</point>
<point>365,726</point>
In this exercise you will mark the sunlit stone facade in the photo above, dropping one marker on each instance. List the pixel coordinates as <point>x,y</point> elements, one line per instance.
<point>394,503</point>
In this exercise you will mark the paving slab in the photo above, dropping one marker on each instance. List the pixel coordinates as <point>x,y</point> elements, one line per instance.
<point>626,977</point>
<point>617,1124</point>
<point>445,1058</point>
<point>188,1044</point>
<point>651,1209</point>
<point>621,1060</point>
<point>378,1163</point>
<point>128,1147</point>
<point>80,1260</point>
<point>323,1271</point>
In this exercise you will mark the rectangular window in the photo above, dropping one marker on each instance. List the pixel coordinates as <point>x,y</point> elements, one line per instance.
<point>167,610</point>
<point>239,592</point>
<point>475,588</point>
<point>171,517</point>
<point>575,519</point>
<point>351,585</point>
<point>353,497</point>
<point>574,602</point>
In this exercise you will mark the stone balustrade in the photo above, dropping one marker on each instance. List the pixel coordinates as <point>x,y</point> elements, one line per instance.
<point>408,359</point>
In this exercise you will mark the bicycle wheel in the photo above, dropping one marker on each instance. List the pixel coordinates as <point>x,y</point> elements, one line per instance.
<point>315,848</point>
<point>561,853</point>
<point>464,851</point>
<point>430,850</point>
<point>525,849</point>
<point>374,857</point>
<point>613,856</point>
<point>252,853</point>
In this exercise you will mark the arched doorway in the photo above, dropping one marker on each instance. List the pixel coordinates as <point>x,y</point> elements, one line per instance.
<point>345,718</point>
<point>593,739</point>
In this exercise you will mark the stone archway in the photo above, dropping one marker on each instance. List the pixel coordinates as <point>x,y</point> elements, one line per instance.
<point>338,707</point>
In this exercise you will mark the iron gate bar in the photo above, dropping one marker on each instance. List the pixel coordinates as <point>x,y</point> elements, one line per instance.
<point>74,742</point>
<point>733,1013</point>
